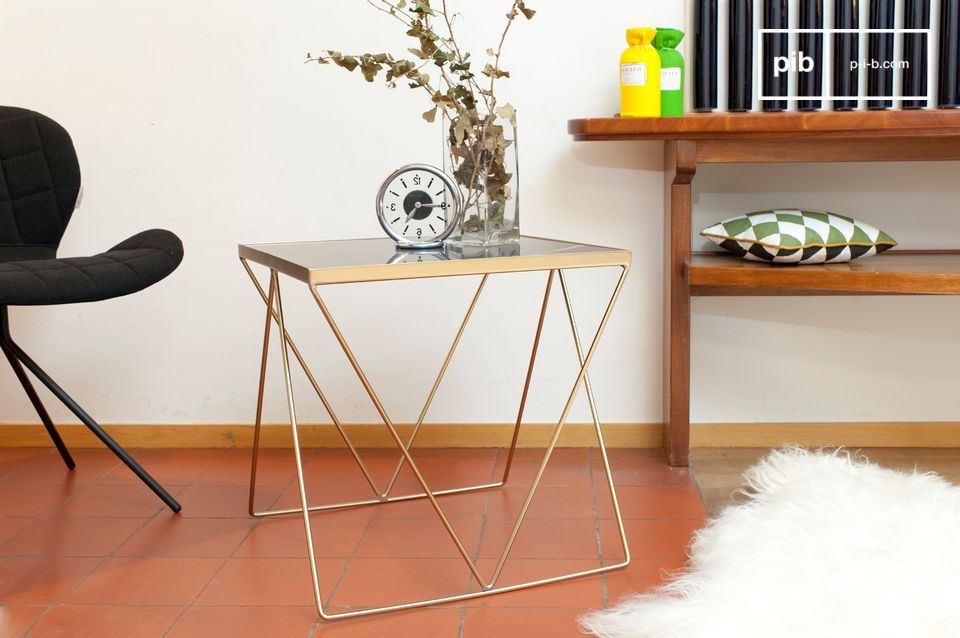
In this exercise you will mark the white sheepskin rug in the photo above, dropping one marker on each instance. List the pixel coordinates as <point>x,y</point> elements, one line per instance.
<point>826,545</point>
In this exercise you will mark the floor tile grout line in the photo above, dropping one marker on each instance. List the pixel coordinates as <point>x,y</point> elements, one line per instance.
<point>46,452</point>
<point>53,508</point>
<point>483,527</point>
<point>346,566</point>
<point>367,527</point>
<point>151,519</point>
<point>596,527</point>
<point>200,477</point>
<point>49,514</point>
<point>353,554</point>
<point>226,559</point>
<point>189,605</point>
<point>83,578</point>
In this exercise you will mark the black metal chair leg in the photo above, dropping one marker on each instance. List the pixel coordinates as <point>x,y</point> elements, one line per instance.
<point>93,426</point>
<point>38,405</point>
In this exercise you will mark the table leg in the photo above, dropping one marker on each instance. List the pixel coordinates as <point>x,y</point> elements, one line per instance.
<point>601,444</point>
<point>526,382</point>
<point>291,407</point>
<point>380,497</point>
<point>268,299</point>
<point>680,167</point>
<point>559,427</point>
<point>275,314</point>
<point>436,386</point>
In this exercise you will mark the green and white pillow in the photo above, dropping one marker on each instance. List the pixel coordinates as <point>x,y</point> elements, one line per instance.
<point>791,236</point>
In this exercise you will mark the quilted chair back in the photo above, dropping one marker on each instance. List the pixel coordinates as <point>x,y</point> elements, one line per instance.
<point>39,182</point>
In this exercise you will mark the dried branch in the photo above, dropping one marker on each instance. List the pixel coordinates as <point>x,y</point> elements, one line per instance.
<point>476,142</point>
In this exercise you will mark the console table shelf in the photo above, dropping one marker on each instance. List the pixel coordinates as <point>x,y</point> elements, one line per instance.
<point>792,124</point>
<point>751,138</point>
<point>893,273</point>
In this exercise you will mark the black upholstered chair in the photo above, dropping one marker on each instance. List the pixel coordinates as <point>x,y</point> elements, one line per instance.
<point>39,183</point>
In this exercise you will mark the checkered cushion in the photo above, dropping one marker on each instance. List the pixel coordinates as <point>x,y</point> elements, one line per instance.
<point>792,236</point>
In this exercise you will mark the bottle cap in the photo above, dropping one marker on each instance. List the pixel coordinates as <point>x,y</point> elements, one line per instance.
<point>667,38</point>
<point>640,37</point>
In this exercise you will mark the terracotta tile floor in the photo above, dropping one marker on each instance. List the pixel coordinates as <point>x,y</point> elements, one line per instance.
<point>94,553</point>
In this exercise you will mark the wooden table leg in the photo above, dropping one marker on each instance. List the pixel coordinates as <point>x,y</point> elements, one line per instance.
<point>680,167</point>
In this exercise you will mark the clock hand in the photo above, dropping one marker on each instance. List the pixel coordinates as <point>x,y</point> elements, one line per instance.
<point>417,206</point>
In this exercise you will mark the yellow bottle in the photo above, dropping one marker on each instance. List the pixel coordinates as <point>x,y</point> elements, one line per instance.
<point>640,75</point>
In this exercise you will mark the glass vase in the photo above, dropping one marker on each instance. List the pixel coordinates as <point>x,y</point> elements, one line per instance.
<point>480,153</point>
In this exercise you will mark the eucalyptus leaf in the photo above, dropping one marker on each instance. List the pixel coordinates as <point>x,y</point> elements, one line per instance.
<point>348,62</point>
<point>527,13</point>
<point>507,112</point>
<point>493,72</point>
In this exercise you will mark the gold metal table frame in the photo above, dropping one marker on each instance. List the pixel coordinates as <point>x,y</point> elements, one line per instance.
<point>309,263</point>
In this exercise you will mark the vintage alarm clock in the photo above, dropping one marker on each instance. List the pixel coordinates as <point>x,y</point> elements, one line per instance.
<point>418,206</point>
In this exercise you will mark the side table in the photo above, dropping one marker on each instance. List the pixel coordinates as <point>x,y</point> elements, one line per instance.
<point>322,263</point>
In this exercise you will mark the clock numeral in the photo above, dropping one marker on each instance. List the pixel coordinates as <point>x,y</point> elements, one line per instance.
<point>420,232</point>
<point>393,207</point>
<point>443,206</point>
<point>416,180</point>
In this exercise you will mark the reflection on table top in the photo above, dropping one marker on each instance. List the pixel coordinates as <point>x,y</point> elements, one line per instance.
<point>356,260</point>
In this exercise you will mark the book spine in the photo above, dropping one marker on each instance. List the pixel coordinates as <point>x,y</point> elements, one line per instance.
<point>916,15</point>
<point>846,54</point>
<point>775,45</point>
<point>948,94</point>
<point>880,71</point>
<point>740,56</point>
<point>705,62</point>
<point>810,76</point>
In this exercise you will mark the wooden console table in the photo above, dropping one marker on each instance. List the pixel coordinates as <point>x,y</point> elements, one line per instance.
<point>824,136</point>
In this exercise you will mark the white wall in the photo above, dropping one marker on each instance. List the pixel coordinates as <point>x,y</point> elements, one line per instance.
<point>200,117</point>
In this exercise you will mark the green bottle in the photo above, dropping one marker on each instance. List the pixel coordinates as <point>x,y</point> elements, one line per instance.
<point>671,71</point>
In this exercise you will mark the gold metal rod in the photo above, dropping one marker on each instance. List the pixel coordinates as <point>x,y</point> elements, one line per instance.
<point>596,418</point>
<point>257,422</point>
<point>316,388</point>
<point>276,314</point>
<point>396,436</point>
<point>436,384</point>
<point>526,383</point>
<point>478,594</point>
<point>296,445</point>
<point>392,499</point>
<point>556,432</point>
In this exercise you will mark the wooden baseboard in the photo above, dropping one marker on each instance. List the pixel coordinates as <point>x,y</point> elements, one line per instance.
<point>617,435</point>
<point>625,435</point>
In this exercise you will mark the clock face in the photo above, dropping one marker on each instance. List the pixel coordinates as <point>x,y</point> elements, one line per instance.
<point>418,206</point>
